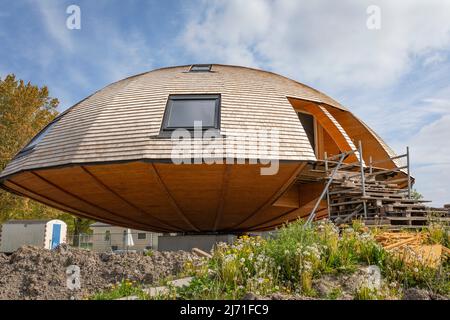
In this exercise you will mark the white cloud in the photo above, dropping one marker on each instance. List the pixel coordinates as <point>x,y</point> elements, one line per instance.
<point>432,141</point>
<point>429,147</point>
<point>54,18</point>
<point>128,54</point>
<point>320,41</point>
<point>101,52</point>
<point>433,183</point>
<point>392,78</point>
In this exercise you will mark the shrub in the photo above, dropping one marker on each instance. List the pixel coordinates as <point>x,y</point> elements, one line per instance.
<point>298,254</point>
<point>124,288</point>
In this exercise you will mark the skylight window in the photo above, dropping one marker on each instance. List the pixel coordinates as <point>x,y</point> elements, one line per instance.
<point>38,138</point>
<point>200,68</point>
<point>183,110</point>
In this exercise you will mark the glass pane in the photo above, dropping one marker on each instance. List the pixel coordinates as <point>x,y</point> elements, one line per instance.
<point>183,113</point>
<point>201,67</point>
<point>40,136</point>
<point>307,122</point>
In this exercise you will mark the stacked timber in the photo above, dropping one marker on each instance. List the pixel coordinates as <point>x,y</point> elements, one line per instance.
<point>379,202</point>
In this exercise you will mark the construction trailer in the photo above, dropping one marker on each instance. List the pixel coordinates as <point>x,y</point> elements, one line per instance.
<point>41,233</point>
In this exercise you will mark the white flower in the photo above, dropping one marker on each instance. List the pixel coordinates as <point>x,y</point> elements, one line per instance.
<point>307,266</point>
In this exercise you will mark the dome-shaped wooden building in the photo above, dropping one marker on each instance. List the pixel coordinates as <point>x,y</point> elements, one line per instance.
<point>110,157</point>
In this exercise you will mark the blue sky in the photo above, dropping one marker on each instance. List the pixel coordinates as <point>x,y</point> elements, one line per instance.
<point>396,78</point>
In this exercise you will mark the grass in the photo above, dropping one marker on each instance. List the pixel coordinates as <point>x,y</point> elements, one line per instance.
<point>290,262</point>
<point>124,288</point>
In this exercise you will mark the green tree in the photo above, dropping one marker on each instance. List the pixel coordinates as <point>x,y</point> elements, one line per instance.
<point>416,195</point>
<point>24,110</point>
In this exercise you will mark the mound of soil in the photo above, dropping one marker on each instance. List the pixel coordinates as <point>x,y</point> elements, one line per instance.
<point>38,273</point>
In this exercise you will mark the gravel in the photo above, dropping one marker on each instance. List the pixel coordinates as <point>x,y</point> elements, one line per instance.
<point>38,273</point>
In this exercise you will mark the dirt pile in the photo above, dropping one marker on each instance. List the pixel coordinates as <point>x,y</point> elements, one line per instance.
<point>37,273</point>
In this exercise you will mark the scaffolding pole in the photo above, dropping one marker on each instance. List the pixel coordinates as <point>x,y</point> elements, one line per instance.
<point>409,175</point>
<point>363,177</point>
<point>325,190</point>
<point>328,193</point>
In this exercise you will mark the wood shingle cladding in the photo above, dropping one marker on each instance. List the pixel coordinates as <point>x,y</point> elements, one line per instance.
<point>122,121</point>
<point>108,159</point>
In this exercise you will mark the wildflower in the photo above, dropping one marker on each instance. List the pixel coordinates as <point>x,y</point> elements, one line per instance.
<point>416,270</point>
<point>307,266</point>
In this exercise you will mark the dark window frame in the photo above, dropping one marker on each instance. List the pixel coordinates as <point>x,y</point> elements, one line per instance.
<point>174,97</point>
<point>314,144</point>
<point>44,132</point>
<point>200,68</point>
<point>142,236</point>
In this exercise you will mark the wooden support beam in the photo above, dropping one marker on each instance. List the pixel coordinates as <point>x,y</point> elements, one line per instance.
<point>275,196</point>
<point>39,176</point>
<point>171,199</point>
<point>223,195</point>
<point>118,196</point>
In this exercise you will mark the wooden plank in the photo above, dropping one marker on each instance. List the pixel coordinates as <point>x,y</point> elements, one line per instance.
<point>275,196</point>
<point>132,205</point>
<point>223,195</point>
<point>171,199</point>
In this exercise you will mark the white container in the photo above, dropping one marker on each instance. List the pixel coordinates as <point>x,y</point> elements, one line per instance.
<point>41,233</point>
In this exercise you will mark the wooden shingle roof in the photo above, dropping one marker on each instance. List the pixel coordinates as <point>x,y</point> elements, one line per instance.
<point>121,121</point>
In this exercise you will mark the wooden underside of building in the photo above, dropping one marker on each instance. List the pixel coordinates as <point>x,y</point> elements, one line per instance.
<point>173,198</point>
